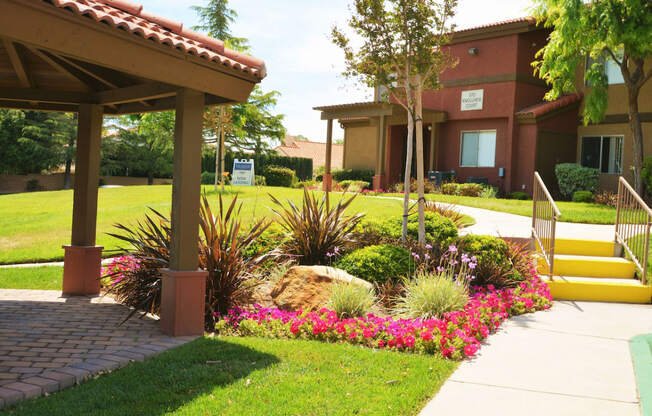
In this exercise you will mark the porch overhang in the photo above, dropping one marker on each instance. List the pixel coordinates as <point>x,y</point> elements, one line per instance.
<point>370,112</point>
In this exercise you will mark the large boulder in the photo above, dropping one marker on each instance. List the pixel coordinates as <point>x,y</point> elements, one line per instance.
<point>309,287</point>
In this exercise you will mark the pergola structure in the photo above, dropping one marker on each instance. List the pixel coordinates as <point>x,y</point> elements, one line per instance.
<point>379,114</point>
<point>97,57</point>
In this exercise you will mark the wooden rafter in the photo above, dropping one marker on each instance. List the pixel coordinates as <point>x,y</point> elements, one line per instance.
<point>57,65</point>
<point>18,64</point>
<point>151,91</point>
<point>45,96</point>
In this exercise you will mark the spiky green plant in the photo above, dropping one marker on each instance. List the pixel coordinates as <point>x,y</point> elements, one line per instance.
<point>316,229</point>
<point>429,295</point>
<point>350,300</point>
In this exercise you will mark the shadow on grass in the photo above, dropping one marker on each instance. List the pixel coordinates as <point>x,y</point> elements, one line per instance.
<point>157,386</point>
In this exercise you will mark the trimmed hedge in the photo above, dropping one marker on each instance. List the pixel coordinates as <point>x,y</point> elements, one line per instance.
<point>462,189</point>
<point>353,175</point>
<point>300,165</point>
<point>279,176</point>
<point>377,263</point>
<point>439,229</point>
<point>582,196</point>
<point>573,177</point>
<point>485,248</point>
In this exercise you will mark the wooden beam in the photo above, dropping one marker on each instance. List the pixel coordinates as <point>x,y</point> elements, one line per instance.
<point>17,63</point>
<point>355,113</point>
<point>21,105</point>
<point>64,70</point>
<point>186,183</point>
<point>151,91</point>
<point>46,96</point>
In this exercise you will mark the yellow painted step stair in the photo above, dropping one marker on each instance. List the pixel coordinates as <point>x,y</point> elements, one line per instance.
<point>579,247</point>
<point>589,266</point>
<point>599,289</point>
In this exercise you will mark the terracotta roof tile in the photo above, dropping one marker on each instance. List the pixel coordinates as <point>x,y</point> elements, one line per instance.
<point>546,107</point>
<point>315,151</point>
<point>528,19</point>
<point>131,17</point>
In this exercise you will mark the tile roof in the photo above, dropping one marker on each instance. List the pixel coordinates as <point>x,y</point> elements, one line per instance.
<point>546,107</point>
<point>315,151</point>
<point>130,17</point>
<point>528,19</point>
<point>364,104</point>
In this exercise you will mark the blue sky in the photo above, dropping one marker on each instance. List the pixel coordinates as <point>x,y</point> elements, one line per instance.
<point>292,37</point>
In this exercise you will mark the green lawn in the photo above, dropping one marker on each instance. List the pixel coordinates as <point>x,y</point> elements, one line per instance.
<point>34,226</point>
<point>570,211</point>
<point>255,376</point>
<point>36,278</point>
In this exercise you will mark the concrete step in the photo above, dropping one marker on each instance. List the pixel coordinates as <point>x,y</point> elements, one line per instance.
<point>580,247</point>
<point>589,266</point>
<point>599,289</point>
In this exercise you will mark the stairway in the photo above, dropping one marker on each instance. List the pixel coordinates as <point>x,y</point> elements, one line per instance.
<point>588,270</point>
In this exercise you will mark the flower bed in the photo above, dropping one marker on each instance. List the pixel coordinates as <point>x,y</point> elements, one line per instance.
<point>455,335</point>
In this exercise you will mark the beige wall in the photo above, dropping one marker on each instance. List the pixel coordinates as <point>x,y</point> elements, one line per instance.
<point>610,181</point>
<point>10,184</point>
<point>360,147</point>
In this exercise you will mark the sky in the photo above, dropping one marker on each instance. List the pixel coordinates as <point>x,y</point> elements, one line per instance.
<point>292,37</point>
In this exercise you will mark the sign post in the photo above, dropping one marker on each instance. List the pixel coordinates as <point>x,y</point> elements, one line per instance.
<point>243,172</point>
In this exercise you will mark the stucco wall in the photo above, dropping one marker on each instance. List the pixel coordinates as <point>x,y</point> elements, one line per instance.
<point>10,184</point>
<point>360,147</point>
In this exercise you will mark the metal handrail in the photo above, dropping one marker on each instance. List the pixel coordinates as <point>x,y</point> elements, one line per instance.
<point>633,221</point>
<point>544,222</point>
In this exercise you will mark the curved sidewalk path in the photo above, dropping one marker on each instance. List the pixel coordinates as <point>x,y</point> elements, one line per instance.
<point>571,360</point>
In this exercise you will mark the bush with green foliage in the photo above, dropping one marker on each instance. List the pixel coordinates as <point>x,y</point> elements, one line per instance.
<point>462,189</point>
<point>267,241</point>
<point>378,263</point>
<point>304,184</point>
<point>439,229</point>
<point>489,192</point>
<point>300,165</point>
<point>260,180</point>
<point>573,177</point>
<point>646,174</point>
<point>279,176</point>
<point>353,186</point>
<point>340,175</point>
<point>316,229</point>
<point>350,300</point>
<point>430,295</point>
<point>484,247</point>
<point>582,196</point>
<point>522,196</point>
<point>208,178</point>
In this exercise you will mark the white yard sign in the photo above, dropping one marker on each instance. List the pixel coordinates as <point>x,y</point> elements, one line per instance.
<point>243,172</point>
<point>472,100</point>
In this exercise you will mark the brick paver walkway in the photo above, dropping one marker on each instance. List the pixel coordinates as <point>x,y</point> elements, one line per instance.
<point>49,342</point>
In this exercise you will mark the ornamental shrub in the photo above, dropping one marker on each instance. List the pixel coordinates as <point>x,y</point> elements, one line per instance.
<point>353,175</point>
<point>463,189</point>
<point>646,174</point>
<point>377,263</point>
<point>485,248</point>
<point>439,229</point>
<point>354,186</point>
<point>300,165</point>
<point>267,241</point>
<point>430,295</point>
<point>582,196</point>
<point>522,196</point>
<point>279,176</point>
<point>573,177</point>
<point>350,300</point>
<point>449,188</point>
<point>208,178</point>
<point>259,180</point>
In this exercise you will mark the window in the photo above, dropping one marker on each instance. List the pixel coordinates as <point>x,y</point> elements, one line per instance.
<point>611,68</point>
<point>478,149</point>
<point>604,153</point>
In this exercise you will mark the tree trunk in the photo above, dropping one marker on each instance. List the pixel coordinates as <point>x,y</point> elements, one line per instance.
<point>637,138</point>
<point>66,178</point>
<point>408,173</point>
<point>420,179</point>
<point>150,178</point>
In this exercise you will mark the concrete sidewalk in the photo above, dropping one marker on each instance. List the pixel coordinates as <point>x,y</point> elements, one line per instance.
<point>571,360</point>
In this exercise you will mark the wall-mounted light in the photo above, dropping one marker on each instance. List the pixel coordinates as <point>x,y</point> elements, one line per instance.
<point>473,51</point>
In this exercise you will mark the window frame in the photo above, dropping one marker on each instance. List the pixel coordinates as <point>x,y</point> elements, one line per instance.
<point>605,60</point>
<point>602,136</point>
<point>495,131</point>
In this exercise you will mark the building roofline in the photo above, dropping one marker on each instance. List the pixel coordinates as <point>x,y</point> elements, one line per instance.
<point>492,30</point>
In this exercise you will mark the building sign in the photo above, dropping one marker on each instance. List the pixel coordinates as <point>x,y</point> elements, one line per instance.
<point>472,100</point>
<point>243,172</point>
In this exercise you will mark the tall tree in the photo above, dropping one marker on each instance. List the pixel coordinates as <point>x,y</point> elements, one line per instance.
<point>218,121</point>
<point>603,30</point>
<point>402,51</point>
<point>33,141</point>
<point>253,127</point>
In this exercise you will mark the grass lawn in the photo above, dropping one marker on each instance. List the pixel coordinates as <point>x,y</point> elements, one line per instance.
<point>33,226</point>
<point>36,278</point>
<point>570,211</point>
<point>256,376</point>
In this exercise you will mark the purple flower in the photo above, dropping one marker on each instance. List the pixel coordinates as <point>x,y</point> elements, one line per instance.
<point>415,255</point>
<point>452,249</point>
<point>329,255</point>
<point>428,246</point>
<point>472,266</point>
<point>336,250</point>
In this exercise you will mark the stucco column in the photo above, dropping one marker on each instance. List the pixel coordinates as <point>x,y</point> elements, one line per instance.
<point>184,286</point>
<point>433,149</point>
<point>328,177</point>
<point>380,179</point>
<point>82,258</point>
